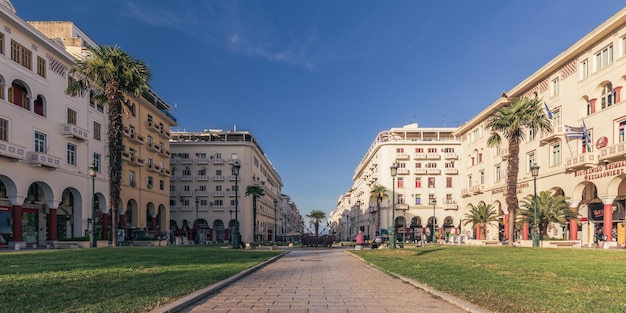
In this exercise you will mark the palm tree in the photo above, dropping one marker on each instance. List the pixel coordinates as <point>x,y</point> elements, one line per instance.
<point>255,191</point>
<point>482,216</point>
<point>512,121</point>
<point>110,73</point>
<point>317,216</point>
<point>378,194</point>
<point>551,209</point>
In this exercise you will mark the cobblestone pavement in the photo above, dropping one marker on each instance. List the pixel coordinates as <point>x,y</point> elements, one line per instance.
<point>321,280</point>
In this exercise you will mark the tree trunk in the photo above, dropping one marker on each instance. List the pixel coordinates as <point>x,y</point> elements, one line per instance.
<point>115,134</point>
<point>511,187</point>
<point>377,216</point>
<point>254,217</point>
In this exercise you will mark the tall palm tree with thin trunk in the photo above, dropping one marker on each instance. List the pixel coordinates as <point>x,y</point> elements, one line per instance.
<point>513,121</point>
<point>482,216</point>
<point>317,216</point>
<point>255,191</point>
<point>110,73</point>
<point>378,194</point>
<point>551,209</point>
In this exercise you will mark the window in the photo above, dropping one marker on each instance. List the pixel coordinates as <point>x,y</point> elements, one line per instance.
<point>161,184</point>
<point>40,142</point>
<point>2,43</point>
<point>432,150</point>
<point>554,91</point>
<point>431,199</point>
<point>71,116</point>
<point>132,178</point>
<point>149,182</point>
<point>218,202</point>
<point>418,199</point>
<point>71,154</point>
<point>149,118</point>
<point>21,55</point>
<point>399,150</point>
<point>481,177</point>
<point>218,172</point>
<point>419,150</point>
<point>556,155</point>
<point>186,188</point>
<point>202,188</point>
<point>608,95</point>
<point>418,182</point>
<point>131,152</point>
<point>97,131</point>
<point>469,180</point>
<point>604,57</point>
<point>97,161</point>
<point>431,182</point>
<point>41,66</point>
<point>621,127</point>
<point>448,182</point>
<point>4,129</point>
<point>531,161</point>
<point>496,173</point>
<point>400,182</point>
<point>149,139</point>
<point>584,69</point>
<point>131,129</point>
<point>233,156</point>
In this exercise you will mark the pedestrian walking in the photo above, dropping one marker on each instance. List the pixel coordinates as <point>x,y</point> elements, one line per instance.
<point>360,240</point>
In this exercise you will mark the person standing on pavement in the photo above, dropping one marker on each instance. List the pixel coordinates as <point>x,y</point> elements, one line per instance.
<point>360,240</point>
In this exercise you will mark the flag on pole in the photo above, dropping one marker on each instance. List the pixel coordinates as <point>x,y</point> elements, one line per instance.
<point>586,137</point>
<point>548,112</point>
<point>574,132</point>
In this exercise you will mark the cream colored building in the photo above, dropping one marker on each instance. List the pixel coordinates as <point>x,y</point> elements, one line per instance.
<point>48,140</point>
<point>427,184</point>
<point>581,87</point>
<point>204,193</point>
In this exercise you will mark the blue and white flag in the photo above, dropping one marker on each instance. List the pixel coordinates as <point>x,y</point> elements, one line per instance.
<point>586,137</point>
<point>574,132</point>
<point>548,112</point>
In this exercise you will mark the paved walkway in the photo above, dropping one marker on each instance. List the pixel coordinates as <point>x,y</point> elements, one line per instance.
<point>322,280</point>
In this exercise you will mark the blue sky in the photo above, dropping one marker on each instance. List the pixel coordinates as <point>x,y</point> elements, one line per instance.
<point>315,81</point>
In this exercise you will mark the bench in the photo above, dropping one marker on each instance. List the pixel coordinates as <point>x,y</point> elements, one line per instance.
<point>493,243</point>
<point>563,243</point>
<point>65,245</point>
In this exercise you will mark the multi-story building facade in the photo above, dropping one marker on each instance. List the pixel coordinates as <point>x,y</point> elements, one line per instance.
<point>48,140</point>
<point>582,90</point>
<point>290,221</point>
<point>426,185</point>
<point>144,194</point>
<point>205,194</point>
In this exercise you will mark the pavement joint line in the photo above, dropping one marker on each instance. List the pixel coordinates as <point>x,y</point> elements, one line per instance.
<point>185,301</point>
<point>469,307</point>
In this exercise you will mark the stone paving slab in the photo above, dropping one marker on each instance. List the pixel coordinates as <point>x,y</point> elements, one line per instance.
<point>323,280</point>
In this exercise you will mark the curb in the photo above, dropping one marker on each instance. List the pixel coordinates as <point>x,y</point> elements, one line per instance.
<point>469,307</point>
<point>196,296</point>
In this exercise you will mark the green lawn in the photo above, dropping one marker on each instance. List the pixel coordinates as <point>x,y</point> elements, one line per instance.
<point>122,279</point>
<point>515,279</point>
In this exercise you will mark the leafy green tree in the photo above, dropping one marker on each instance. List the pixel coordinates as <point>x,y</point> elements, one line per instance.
<point>512,122</point>
<point>110,73</point>
<point>378,194</point>
<point>255,191</point>
<point>551,209</point>
<point>482,215</point>
<point>317,216</point>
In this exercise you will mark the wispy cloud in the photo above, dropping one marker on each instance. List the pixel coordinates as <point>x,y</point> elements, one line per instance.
<point>223,25</point>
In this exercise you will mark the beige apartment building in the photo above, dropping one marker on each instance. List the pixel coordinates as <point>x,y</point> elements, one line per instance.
<point>582,88</point>
<point>48,141</point>
<point>206,197</point>
<point>426,187</point>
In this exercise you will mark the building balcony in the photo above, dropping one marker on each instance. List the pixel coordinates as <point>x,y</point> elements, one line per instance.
<point>203,208</point>
<point>202,177</point>
<point>185,208</point>
<point>403,171</point>
<point>477,189</point>
<point>153,147</point>
<point>217,193</point>
<point>450,206</point>
<point>12,151</point>
<point>164,152</point>
<point>581,161</point>
<point>450,171</point>
<point>402,156</point>
<point>612,153</point>
<point>202,193</point>
<point>450,155</point>
<point>465,192</point>
<point>185,193</point>
<point>232,161</point>
<point>165,172</point>
<point>558,131</point>
<point>217,208</point>
<point>217,177</point>
<point>154,168</point>
<point>164,134</point>
<point>230,193</point>
<point>420,171</point>
<point>153,126</point>
<point>232,177</point>
<point>433,171</point>
<point>184,161</point>
<point>402,206</point>
<point>185,177</point>
<point>202,161</point>
<point>433,156</point>
<point>43,159</point>
<point>73,131</point>
<point>135,161</point>
<point>217,160</point>
<point>420,156</point>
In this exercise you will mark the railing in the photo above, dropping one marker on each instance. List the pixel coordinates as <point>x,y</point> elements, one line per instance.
<point>12,151</point>
<point>71,130</point>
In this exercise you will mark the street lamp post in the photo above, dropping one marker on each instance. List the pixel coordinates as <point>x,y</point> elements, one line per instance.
<point>92,174</point>
<point>534,170</point>
<point>392,236</point>
<point>196,224</point>
<point>434,220</point>
<point>236,235</point>
<point>404,225</point>
<point>275,213</point>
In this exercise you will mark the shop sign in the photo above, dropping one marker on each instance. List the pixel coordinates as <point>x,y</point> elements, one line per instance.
<point>602,142</point>
<point>520,188</point>
<point>608,170</point>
